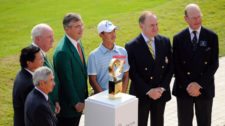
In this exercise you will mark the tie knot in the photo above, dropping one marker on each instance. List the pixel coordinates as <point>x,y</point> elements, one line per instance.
<point>194,32</point>
<point>149,41</point>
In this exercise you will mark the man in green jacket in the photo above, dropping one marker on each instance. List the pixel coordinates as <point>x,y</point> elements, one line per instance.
<point>43,37</point>
<point>70,68</point>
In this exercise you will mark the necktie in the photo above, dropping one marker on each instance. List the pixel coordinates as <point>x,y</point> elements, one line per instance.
<point>149,43</point>
<point>194,41</point>
<point>80,52</point>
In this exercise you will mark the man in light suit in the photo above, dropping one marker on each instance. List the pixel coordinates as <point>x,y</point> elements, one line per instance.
<point>70,67</point>
<point>43,37</point>
<point>196,61</point>
<point>37,110</point>
<point>149,56</point>
<point>30,60</point>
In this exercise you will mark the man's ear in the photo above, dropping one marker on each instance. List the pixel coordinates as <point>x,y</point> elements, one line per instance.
<point>141,26</point>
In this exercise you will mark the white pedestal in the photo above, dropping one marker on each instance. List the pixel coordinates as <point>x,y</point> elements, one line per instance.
<point>102,111</point>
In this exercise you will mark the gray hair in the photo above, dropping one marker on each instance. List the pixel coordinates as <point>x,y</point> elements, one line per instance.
<point>41,74</point>
<point>38,29</point>
<point>70,17</point>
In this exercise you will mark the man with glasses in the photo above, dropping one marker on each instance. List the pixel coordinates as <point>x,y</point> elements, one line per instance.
<point>70,67</point>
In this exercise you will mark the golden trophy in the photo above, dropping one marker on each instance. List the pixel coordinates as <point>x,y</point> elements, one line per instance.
<point>115,83</point>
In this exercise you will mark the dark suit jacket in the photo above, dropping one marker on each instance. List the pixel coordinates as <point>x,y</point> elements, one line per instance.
<point>23,84</point>
<point>72,77</point>
<point>145,72</point>
<point>195,66</point>
<point>38,111</point>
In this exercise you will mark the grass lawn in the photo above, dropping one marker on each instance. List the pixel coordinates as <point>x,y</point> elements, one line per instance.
<point>17,18</point>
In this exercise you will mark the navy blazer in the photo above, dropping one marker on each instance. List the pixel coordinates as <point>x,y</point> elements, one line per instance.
<point>38,111</point>
<point>23,84</point>
<point>195,66</point>
<point>145,72</point>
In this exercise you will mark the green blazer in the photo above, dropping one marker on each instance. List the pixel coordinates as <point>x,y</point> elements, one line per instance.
<point>72,77</point>
<point>53,96</point>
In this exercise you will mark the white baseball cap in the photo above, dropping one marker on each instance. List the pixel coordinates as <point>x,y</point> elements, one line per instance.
<point>106,26</point>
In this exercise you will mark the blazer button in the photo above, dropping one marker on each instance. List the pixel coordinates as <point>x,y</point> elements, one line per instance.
<point>146,68</point>
<point>188,73</point>
<point>206,63</point>
<point>184,62</point>
<point>151,77</point>
<point>163,67</point>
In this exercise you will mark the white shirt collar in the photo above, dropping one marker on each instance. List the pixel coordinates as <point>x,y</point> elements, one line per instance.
<point>146,38</point>
<point>32,73</point>
<point>43,53</point>
<point>74,42</point>
<point>45,95</point>
<point>197,31</point>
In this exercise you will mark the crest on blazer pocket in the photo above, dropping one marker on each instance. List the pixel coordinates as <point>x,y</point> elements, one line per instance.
<point>207,49</point>
<point>203,43</point>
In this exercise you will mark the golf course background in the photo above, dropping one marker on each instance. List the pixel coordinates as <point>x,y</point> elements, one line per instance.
<point>17,17</point>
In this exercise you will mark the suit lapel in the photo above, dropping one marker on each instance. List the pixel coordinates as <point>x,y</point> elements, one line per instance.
<point>187,46</point>
<point>74,52</point>
<point>47,104</point>
<point>158,48</point>
<point>47,63</point>
<point>144,48</point>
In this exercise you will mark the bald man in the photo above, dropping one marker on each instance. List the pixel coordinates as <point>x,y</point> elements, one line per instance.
<point>43,37</point>
<point>149,56</point>
<point>196,61</point>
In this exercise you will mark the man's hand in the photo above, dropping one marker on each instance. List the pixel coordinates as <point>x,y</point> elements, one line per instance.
<point>193,89</point>
<point>155,93</point>
<point>79,107</point>
<point>57,108</point>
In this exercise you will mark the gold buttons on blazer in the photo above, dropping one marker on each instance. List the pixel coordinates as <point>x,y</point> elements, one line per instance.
<point>146,68</point>
<point>163,67</point>
<point>151,77</point>
<point>188,73</point>
<point>206,63</point>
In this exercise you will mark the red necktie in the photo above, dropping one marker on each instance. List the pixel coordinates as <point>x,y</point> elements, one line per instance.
<point>80,52</point>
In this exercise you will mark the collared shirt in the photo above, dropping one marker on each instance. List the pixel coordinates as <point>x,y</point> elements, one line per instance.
<point>32,73</point>
<point>45,95</point>
<point>74,42</point>
<point>197,32</point>
<point>147,39</point>
<point>98,63</point>
<point>43,53</point>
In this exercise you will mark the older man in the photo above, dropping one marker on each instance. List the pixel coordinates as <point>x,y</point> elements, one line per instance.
<point>150,59</point>
<point>30,60</point>
<point>70,67</point>
<point>196,61</point>
<point>43,37</point>
<point>37,108</point>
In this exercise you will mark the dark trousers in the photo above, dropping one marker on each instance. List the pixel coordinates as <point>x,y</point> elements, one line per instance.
<point>156,110</point>
<point>203,110</point>
<point>62,121</point>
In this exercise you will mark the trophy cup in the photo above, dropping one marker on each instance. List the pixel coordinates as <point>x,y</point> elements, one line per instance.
<point>115,83</point>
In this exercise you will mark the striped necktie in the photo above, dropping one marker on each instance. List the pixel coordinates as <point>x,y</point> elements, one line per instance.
<point>80,52</point>
<point>149,43</point>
